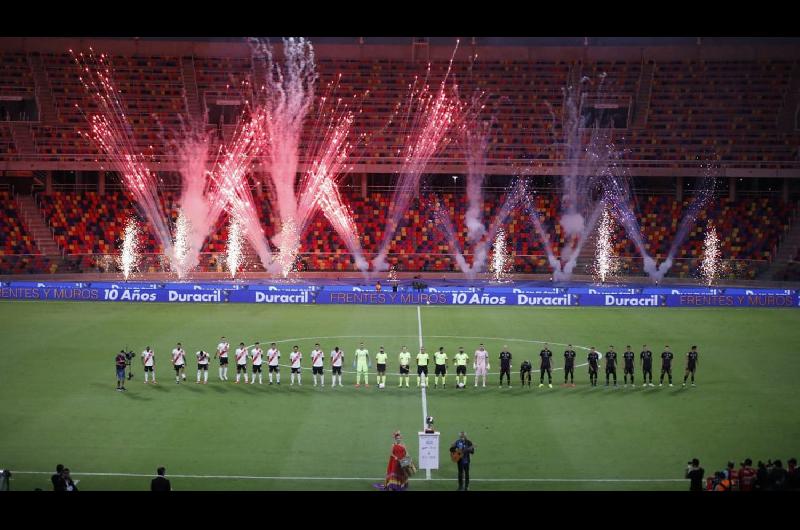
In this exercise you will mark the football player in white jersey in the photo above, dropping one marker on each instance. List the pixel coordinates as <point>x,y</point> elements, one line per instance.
<point>222,352</point>
<point>337,359</point>
<point>273,358</point>
<point>179,362</point>
<point>316,365</point>
<point>241,362</point>
<point>149,362</point>
<point>481,364</point>
<point>294,358</point>
<point>202,366</point>
<point>258,358</point>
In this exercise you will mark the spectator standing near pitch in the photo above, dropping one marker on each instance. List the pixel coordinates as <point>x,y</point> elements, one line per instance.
<point>461,452</point>
<point>149,362</point>
<point>691,365</point>
<point>68,483</point>
<point>646,358</point>
<point>746,475</point>
<point>546,365</point>
<point>160,483</point>
<point>611,364</point>
<point>666,365</point>
<point>505,366</point>
<point>120,363</point>
<point>695,474</point>
<point>56,479</point>
<point>569,365</point>
<point>777,476</point>
<point>792,475</point>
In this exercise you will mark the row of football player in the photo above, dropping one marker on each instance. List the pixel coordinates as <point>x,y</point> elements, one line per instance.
<point>362,363</point>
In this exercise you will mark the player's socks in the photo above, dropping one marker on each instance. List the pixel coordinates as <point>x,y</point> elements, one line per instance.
<point>245,378</point>
<point>278,378</point>
<point>322,380</point>
<point>270,378</point>
<point>315,379</point>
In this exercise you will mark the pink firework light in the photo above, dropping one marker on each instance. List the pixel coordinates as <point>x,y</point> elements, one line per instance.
<point>229,173</point>
<point>429,118</point>
<point>111,132</point>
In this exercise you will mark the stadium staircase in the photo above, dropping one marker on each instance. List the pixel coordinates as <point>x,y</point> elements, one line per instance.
<point>787,250</point>
<point>193,106</point>
<point>48,113</point>
<point>36,225</point>
<point>643,94</point>
<point>786,116</point>
<point>23,138</point>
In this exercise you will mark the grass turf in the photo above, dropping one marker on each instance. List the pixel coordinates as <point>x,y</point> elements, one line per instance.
<point>59,405</point>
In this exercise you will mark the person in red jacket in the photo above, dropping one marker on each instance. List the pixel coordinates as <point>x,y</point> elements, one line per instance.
<point>747,475</point>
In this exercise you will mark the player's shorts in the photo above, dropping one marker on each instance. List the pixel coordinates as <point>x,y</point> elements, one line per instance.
<point>241,368</point>
<point>461,369</point>
<point>223,361</point>
<point>316,370</point>
<point>274,368</point>
<point>337,370</point>
<point>404,370</point>
<point>440,369</point>
<point>505,369</point>
<point>592,369</point>
<point>148,368</point>
<point>256,368</point>
<point>647,368</point>
<point>611,369</point>
<point>202,366</point>
<point>178,367</point>
<point>544,368</point>
<point>296,370</point>
<point>480,369</point>
<point>569,368</point>
<point>120,373</point>
<point>666,369</point>
<point>629,369</point>
<point>691,368</point>
<point>422,370</point>
<point>381,368</point>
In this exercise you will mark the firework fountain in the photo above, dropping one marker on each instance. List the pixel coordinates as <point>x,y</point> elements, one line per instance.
<point>235,247</point>
<point>710,266</point>
<point>112,133</point>
<point>429,118</point>
<point>605,265</point>
<point>501,260</point>
<point>128,259</point>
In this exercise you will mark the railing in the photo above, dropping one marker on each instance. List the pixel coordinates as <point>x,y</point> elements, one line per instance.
<point>685,268</point>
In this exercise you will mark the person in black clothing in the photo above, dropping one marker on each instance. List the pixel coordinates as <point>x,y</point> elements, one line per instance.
<point>67,481</point>
<point>647,365</point>
<point>777,476</point>
<point>56,479</point>
<point>160,483</point>
<point>695,473</point>
<point>691,365</point>
<point>569,365</point>
<point>762,477</point>
<point>593,359</point>
<point>666,365</point>
<point>505,365</point>
<point>629,357</point>
<point>466,448</point>
<point>121,362</point>
<point>611,364</point>
<point>525,370</point>
<point>792,475</point>
<point>545,366</point>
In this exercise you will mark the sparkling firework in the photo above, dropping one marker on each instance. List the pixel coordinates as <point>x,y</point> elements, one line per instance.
<point>234,250</point>
<point>710,268</point>
<point>501,260</point>
<point>129,257</point>
<point>340,217</point>
<point>437,117</point>
<point>289,246</point>
<point>605,261</point>
<point>182,247</point>
<point>112,133</point>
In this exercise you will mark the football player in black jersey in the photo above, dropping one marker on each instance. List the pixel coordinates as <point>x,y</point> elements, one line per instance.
<point>666,365</point>
<point>691,365</point>
<point>611,364</point>
<point>505,365</point>
<point>525,371</point>
<point>647,365</point>
<point>593,358</point>
<point>545,366</point>
<point>629,357</point>
<point>569,365</point>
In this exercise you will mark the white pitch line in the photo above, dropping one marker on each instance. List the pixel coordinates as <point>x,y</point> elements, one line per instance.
<point>252,477</point>
<point>424,394</point>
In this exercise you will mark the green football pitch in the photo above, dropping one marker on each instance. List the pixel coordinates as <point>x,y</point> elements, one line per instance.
<point>59,404</point>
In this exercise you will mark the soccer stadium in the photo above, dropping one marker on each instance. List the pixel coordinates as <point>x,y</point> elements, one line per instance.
<point>377,264</point>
